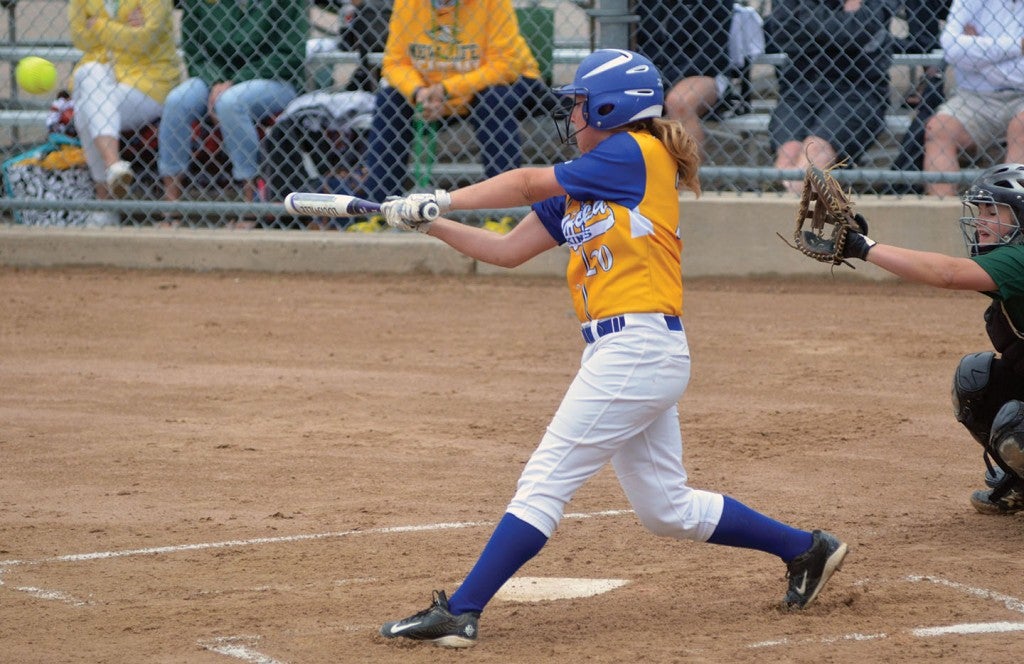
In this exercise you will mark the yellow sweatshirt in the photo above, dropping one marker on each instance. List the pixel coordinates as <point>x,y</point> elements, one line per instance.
<point>467,47</point>
<point>144,57</point>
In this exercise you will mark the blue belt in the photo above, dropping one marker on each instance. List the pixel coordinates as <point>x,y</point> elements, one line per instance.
<point>607,326</point>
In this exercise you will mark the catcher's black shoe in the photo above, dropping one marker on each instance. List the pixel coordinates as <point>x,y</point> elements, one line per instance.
<point>436,624</point>
<point>1010,502</point>
<point>809,571</point>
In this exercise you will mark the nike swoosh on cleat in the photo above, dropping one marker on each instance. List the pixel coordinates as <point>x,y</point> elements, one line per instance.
<point>802,588</point>
<point>398,629</point>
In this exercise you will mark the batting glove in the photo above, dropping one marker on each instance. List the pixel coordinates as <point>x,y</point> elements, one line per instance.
<point>404,214</point>
<point>441,198</point>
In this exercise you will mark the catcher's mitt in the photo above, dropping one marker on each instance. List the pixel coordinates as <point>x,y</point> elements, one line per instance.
<point>829,211</point>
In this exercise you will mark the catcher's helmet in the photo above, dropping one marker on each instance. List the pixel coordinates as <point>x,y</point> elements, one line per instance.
<point>1001,185</point>
<point>619,86</point>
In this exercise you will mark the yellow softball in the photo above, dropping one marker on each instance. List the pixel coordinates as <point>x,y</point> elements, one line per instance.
<point>35,75</point>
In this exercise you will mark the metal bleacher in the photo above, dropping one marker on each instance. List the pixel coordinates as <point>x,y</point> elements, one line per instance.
<point>745,129</point>
<point>748,128</point>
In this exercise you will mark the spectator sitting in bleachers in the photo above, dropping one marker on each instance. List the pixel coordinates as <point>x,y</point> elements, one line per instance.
<point>834,90</point>
<point>984,44</point>
<point>365,32</point>
<point>688,42</point>
<point>453,59</point>
<point>924,20</point>
<point>246,62</point>
<point>128,66</point>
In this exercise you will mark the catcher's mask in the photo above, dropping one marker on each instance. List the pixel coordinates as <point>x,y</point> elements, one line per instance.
<point>616,86</point>
<point>1003,187</point>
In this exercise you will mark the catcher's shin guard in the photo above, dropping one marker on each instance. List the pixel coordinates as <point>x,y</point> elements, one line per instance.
<point>970,383</point>
<point>1007,440</point>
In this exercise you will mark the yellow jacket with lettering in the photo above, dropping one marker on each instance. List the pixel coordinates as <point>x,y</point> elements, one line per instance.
<point>467,46</point>
<point>143,57</point>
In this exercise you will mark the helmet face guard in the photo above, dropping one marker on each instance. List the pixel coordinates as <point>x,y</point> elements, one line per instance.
<point>563,119</point>
<point>1003,187</point>
<point>617,86</point>
<point>1007,232</point>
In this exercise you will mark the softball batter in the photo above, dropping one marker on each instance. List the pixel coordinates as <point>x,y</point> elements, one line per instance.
<point>617,208</point>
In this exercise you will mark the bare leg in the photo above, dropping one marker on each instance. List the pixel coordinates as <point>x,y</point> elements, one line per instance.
<point>817,151</point>
<point>109,148</point>
<point>690,100</point>
<point>1015,140</point>
<point>944,137</point>
<point>812,150</point>
<point>789,156</point>
<point>172,187</point>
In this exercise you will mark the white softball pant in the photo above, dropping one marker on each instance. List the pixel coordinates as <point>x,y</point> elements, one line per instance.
<point>104,107</point>
<point>622,407</point>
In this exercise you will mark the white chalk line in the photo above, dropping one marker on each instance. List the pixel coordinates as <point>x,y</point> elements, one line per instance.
<point>54,595</point>
<point>234,646</point>
<point>177,548</point>
<point>1011,603</point>
<point>238,647</point>
<point>970,628</point>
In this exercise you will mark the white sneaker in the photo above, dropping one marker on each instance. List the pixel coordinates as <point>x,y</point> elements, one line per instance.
<point>103,219</point>
<point>119,178</point>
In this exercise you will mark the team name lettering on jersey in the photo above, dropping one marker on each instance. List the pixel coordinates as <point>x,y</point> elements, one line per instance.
<point>593,219</point>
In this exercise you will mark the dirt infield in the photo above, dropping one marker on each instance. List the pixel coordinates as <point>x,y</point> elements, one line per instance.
<point>250,467</point>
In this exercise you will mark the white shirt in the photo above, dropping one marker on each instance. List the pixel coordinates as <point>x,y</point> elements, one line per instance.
<point>992,60</point>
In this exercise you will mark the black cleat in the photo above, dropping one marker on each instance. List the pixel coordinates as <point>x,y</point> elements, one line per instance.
<point>436,624</point>
<point>809,571</point>
<point>1010,502</point>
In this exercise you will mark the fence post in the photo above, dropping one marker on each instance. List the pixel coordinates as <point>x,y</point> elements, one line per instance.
<point>614,23</point>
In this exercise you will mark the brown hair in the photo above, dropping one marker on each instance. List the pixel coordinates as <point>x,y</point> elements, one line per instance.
<point>679,144</point>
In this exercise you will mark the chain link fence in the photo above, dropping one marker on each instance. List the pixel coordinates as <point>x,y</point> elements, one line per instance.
<point>339,96</point>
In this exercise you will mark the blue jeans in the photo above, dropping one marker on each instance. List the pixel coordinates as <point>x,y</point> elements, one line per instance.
<point>492,114</point>
<point>238,110</point>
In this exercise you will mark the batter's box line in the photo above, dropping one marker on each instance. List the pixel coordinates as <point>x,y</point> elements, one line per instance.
<point>239,647</point>
<point>285,539</point>
<point>1011,603</point>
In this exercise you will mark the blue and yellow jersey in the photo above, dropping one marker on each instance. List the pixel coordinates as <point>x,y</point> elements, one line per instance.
<point>621,222</point>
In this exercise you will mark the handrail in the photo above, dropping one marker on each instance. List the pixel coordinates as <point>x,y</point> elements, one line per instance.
<point>932,59</point>
<point>65,52</point>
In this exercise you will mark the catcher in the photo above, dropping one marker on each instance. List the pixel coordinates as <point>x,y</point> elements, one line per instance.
<point>988,387</point>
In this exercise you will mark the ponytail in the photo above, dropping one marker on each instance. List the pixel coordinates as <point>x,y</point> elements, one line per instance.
<point>683,149</point>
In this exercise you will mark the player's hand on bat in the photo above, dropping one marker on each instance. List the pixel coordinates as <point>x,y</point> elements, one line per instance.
<point>410,213</point>
<point>441,198</point>
<point>404,214</point>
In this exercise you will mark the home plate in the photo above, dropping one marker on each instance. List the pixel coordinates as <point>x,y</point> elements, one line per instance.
<point>536,589</point>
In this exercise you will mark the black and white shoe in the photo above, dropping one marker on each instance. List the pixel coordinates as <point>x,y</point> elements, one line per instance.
<point>1010,502</point>
<point>809,571</point>
<point>436,624</point>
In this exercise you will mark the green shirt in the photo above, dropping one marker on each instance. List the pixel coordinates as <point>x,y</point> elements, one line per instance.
<point>242,40</point>
<point>1006,267</point>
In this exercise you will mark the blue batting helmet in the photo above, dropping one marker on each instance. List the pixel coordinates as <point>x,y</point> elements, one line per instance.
<point>620,86</point>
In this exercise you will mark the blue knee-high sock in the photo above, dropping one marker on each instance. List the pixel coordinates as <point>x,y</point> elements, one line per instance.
<point>743,527</point>
<point>513,543</point>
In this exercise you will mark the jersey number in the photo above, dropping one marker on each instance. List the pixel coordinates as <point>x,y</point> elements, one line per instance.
<point>598,258</point>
